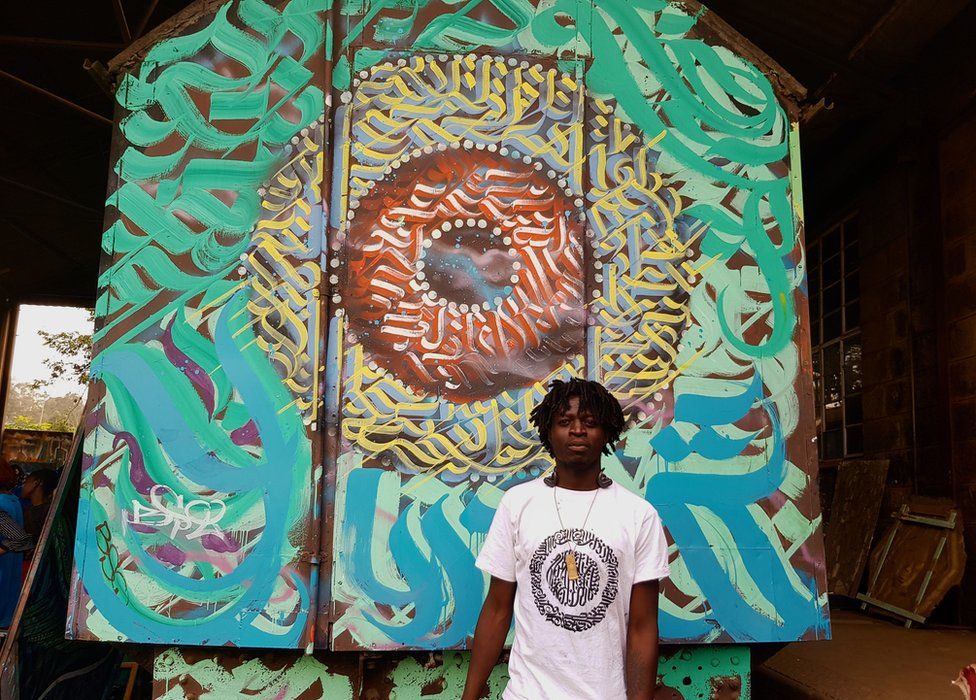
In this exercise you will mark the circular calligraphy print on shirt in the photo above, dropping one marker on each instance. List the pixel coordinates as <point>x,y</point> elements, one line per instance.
<point>575,605</point>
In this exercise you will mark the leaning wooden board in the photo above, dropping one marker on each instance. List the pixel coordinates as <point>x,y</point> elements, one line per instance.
<point>853,518</point>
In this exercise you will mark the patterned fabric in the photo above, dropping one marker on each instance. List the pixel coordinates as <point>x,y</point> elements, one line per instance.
<point>13,537</point>
<point>14,540</point>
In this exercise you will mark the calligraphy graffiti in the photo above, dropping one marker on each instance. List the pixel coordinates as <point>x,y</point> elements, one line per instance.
<point>349,245</point>
<point>653,169</point>
<point>207,349</point>
<point>197,517</point>
<point>109,561</point>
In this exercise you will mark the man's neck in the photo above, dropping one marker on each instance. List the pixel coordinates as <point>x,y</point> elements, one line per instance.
<point>578,479</point>
<point>38,500</point>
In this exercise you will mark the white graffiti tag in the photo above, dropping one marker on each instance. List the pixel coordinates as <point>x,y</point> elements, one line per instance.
<point>198,515</point>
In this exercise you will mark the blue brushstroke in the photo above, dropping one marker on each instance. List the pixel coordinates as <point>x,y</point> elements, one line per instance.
<point>285,447</point>
<point>431,583</point>
<point>727,496</point>
<point>463,262</point>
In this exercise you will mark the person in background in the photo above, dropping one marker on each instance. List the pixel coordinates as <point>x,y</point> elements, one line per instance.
<point>38,490</point>
<point>14,541</point>
<point>17,490</point>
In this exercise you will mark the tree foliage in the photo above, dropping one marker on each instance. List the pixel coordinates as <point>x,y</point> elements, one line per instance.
<point>73,358</point>
<point>29,408</point>
<point>61,424</point>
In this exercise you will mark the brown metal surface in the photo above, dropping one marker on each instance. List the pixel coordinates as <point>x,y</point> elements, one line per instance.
<point>853,517</point>
<point>198,674</point>
<point>181,22</point>
<point>915,564</point>
<point>716,673</point>
<point>726,688</point>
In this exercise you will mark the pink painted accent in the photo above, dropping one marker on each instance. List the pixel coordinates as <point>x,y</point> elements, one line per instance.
<point>289,593</point>
<point>221,562</point>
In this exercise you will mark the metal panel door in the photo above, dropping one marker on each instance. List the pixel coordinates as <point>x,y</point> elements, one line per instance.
<point>198,513</point>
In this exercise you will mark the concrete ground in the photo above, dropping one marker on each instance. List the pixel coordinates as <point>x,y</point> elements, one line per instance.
<point>868,658</point>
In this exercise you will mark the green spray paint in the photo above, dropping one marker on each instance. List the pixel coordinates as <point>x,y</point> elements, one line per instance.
<point>691,672</point>
<point>299,677</point>
<point>413,681</point>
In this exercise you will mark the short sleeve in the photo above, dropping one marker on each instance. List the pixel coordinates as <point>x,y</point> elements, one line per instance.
<point>497,557</point>
<point>651,560</point>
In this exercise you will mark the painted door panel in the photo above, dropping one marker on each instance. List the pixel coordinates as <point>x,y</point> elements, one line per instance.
<point>332,294</point>
<point>199,505</point>
<point>461,294</point>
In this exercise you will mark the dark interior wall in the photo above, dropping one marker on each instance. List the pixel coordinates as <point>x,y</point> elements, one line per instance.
<point>916,223</point>
<point>957,157</point>
<point>901,282</point>
<point>909,170</point>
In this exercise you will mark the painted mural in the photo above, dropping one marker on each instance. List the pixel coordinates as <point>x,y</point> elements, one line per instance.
<point>200,485</point>
<point>590,189</point>
<point>716,671</point>
<point>347,247</point>
<point>35,449</point>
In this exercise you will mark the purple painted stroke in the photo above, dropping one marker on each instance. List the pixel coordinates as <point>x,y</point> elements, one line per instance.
<point>195,373</point>
<point>219,543</point>
<point>138,475</point>
<point>170,554</point>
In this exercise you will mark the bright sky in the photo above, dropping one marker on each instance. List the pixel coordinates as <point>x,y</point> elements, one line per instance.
<point>30,351</point>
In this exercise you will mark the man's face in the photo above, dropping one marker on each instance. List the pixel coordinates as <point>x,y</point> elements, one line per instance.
<point>577,438</point>
<point>29,485</point>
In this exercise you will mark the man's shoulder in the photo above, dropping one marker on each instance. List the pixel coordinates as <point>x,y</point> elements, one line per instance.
<point>636,502</point>
<point>520,493</point>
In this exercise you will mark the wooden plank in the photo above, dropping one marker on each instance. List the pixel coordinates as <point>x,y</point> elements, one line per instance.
<point>853,518</point>
<point>901,612</point>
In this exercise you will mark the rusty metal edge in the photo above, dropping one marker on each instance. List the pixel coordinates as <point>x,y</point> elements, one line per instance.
<point>793,92</point>
<point>790,90</point>
<point>133,54</point>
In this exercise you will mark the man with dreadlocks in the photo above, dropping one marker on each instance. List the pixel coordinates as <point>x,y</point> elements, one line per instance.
<point>578,560</point>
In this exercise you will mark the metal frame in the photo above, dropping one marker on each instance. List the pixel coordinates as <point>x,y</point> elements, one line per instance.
<point>905,516</point>
<point>820,343</point>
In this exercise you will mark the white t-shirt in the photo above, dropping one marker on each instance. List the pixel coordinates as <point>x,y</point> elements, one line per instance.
<point>571,636</point>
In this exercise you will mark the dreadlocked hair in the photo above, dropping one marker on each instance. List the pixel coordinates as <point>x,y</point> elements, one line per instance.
<point>593,399</point>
